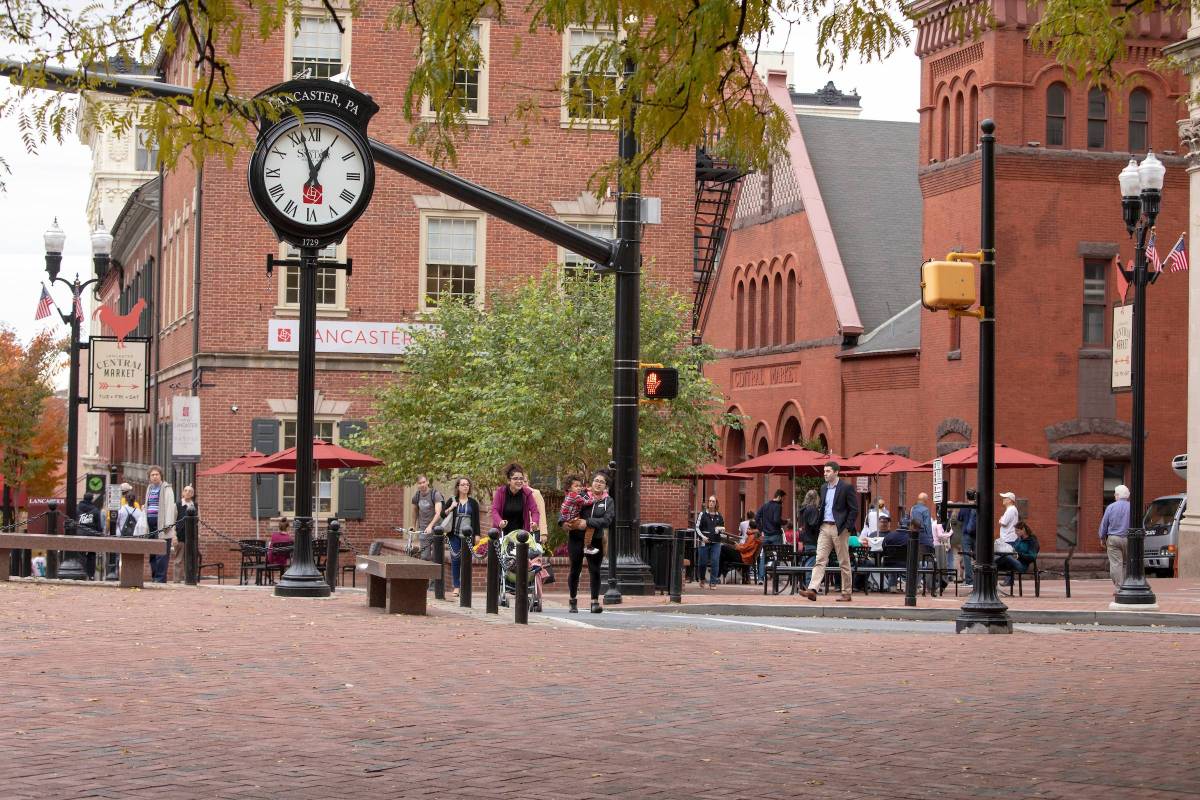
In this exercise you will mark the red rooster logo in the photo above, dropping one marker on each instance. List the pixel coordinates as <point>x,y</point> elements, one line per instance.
<point>121,324</point>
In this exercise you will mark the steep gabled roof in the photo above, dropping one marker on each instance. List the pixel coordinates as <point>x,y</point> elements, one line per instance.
<point>867,174</point>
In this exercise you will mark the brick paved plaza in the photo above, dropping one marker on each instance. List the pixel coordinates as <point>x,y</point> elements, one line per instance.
<point>221,693</point>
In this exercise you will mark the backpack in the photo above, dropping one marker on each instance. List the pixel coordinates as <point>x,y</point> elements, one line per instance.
<point>129,526</point>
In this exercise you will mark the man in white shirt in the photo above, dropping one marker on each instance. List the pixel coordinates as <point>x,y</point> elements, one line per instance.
<point>1008,520</point>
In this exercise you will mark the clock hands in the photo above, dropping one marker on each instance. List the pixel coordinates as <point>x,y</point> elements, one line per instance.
<point>324,156</point>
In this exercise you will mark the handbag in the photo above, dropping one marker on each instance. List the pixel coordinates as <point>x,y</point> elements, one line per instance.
<point>446,526</point>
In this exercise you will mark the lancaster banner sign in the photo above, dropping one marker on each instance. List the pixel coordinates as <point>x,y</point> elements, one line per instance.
<point>340,336</point>
<point>119,374</point>
<point>185,429</point>
<point>1122,348</point>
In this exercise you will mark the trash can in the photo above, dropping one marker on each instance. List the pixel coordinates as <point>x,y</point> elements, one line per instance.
<point>655,540</point>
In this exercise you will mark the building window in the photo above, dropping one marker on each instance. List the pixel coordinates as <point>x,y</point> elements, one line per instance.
<point>331,282</point>
<point>1114,476</point>
<point>1056,115</point>
<point>973,136</point>
<point>777,312</point>
<point>955,334</point>
<point>325,491</point>
<point>791,306</point>
<point>959,132</point>
<point>740,322</point>
<point>145,155</point>
<point>945,152</point>
<point>1095,294</point>
<point>576,264</point>
<point>1068,504</point>
<point>586,97</point>
<point>452,258</point>
<point>471,85</point>
<point>1139,121</point>
<point>318,46</point>
<point>764,313</point>
<point>1097,127</point>
<point>751,311</point>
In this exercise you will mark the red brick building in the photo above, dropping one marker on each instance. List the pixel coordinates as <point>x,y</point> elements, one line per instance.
<point>218,314</point>
<point>813,301</point>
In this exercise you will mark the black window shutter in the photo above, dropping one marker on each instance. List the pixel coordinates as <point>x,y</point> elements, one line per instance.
<point>352,494</point>
<point>264,437</point>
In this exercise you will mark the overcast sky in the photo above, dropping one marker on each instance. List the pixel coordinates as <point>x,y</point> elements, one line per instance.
<point>54,181</point>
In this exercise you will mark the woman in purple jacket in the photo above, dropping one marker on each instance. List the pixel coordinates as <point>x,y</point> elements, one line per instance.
<point>513,506</point>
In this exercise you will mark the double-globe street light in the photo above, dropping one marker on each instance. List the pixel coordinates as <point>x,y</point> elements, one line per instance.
<point>1141,195</point>
<point>54,240</point>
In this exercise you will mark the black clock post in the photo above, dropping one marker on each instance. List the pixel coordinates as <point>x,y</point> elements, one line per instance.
<point>311,177</point>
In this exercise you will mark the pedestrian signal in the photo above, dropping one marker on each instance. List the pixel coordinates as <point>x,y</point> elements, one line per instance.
<point>660,383</point>
<point>94,484</point>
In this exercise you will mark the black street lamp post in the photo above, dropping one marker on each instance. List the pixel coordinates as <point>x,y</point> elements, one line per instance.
<point>1141,195</point>
<point>72,565</point>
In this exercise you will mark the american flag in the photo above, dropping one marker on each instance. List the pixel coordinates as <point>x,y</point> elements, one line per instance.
<point>1152,253</point>
<point>78,305</point>
<point>1178,258</point>
<point>44,304</point>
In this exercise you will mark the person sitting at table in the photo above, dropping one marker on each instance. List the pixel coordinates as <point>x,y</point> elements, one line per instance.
<point>744,552</point>
<point>810,519</point>
<point>279,549</point>
<point>789,533</point>
<point>1025,549</point>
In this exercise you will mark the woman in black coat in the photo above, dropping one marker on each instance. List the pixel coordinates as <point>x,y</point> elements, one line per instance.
<point>464,529</point>
<point>585,539</point>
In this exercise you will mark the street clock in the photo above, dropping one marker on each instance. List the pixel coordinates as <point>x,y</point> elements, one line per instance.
<point>312,173</point>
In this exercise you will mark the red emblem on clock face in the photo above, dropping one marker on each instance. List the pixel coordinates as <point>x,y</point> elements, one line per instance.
<point>313,194</point>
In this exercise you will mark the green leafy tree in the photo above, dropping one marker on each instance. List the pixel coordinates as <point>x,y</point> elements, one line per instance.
<point>32,426</point>
<point>530,380</point>
<point>691,64</point>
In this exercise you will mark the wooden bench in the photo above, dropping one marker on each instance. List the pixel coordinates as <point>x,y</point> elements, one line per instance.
<point>133,551</point>
<point>398,582</point>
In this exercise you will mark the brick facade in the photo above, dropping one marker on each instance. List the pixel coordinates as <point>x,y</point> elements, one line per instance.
<point>539,163</point>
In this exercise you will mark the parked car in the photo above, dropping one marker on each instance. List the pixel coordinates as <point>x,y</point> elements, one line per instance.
<point>1162,533</point>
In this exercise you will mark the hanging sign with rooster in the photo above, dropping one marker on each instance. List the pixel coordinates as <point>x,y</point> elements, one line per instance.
<point>119,373</point>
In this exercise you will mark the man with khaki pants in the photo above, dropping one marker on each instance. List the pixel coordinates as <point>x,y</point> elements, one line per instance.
<point>840,516</point>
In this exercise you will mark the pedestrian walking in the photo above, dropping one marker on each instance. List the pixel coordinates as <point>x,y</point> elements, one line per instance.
<point>160,517</point>
<point>463,510</point>
<point>968,518</point>
<point>711,526</point>
<point>513,505</point>
<point>428,504</point>
<point>585,540</point>
<point>1114,532</point>
<point>131,519</point>
<point>187,505</point>
<point>839,518</point>
<point>88,522</point>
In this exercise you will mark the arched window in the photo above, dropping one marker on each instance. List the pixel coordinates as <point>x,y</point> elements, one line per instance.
<point>945,151</point>
<point>1139,121</point>
<point>740,314</point>
<point>764,313</point>
<point>777,312</point>
<point>973,137</point>
<point>1056,115</point>
<point>1097,129</point>
<point>791,306</point>
<point>751,312</point>
<point>959,133</point>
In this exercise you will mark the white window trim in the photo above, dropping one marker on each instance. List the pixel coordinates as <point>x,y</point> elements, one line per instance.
<point>285,309</point>
<point>336,473</point>
<point>480,117</point>
<point>315,9</point>
<point>565,119</point>
<point>480,253</point>
<point>579,219</point>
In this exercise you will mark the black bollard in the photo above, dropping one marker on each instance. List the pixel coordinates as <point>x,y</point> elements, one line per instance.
<point>464,571</point>
<point>521,609</point>
<point>676,580</point>
<point>1067,574</point>
<point>52,529</point>
<point>910,580</point>
<point>439,558</point>
<point>191,547</point>
<point>493,573</point>
<point>333,541</point>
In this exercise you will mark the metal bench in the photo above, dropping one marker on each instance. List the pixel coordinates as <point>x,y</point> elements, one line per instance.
<point>398,583</point>
<point>133,551</point>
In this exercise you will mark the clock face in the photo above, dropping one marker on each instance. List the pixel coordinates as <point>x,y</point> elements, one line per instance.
<point>314,173</point>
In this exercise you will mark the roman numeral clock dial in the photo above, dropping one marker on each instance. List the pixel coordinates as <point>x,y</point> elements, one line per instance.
<point>311,178</point>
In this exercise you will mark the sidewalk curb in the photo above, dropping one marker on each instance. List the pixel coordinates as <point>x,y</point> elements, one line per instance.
<point>1047,617</point>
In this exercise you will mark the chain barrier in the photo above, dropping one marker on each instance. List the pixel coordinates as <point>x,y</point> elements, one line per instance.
<point>231,540</point>
<point>13,528</point>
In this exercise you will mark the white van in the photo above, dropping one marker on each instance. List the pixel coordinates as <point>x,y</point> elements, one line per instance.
<point>1162,533</point>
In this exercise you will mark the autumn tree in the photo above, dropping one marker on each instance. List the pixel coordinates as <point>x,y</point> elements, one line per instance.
<point>529,379</point>
<point>32,426</point>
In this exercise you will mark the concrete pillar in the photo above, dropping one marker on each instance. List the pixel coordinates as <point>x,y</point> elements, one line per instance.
<point>1189,134</point>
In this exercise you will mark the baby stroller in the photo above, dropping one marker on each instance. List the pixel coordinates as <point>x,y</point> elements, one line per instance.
<point>507,547</point>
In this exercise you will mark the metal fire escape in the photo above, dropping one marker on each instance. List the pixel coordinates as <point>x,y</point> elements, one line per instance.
<point>716,181</point>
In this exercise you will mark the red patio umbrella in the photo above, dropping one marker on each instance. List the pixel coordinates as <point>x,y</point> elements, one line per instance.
<point>795,460</point>
<point>877,461</point>
<point>233,466</point>
<point>249,463</point>
<point>1006,458</point>
<point>706,472</point>
<point>325,456</point>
